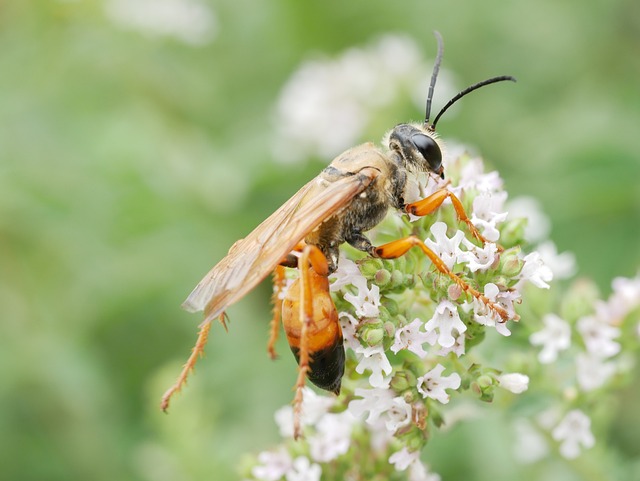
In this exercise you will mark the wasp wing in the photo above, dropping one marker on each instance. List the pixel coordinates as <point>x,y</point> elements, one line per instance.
<point>251,259</point>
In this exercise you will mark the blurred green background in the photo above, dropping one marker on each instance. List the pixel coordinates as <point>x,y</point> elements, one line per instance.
<point>130,162</point>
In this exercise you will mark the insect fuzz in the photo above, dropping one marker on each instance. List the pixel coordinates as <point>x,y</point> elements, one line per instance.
<point>348,198</point>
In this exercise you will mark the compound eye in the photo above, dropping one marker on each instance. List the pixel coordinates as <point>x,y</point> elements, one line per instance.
<point>429,150</point>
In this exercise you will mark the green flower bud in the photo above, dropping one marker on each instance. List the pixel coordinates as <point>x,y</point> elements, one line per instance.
<point>512,232</point>
<point>370,266</point>
<point>510,263</point>
<point>382,277</point>
<point>373,334</point>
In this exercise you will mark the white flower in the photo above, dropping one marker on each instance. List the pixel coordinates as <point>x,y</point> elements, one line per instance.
<point>599,337</point>
<point>190,21</point>
<point>346,274</point>
<point>303,470</point>
<point>515,382</point>
<point>472,177</point>
<point>314,406</point>
<point>478,258</point>
<point>458,347</point>
<point>488,212</point>
<point>404,458</point>
<point>626,292</point>
<point>419,472</point>
<point>535,271</point>
<point>273,465</point>
<point>398,415</point>
<point>592,371</point>
<point>574,430</point>
<point>349,324</point>
<point>445,320</point>
<point>374,359</point>
<point>448,249</point>
<point>410,337</point>
<point>332,437</point>
<point>486,316</point>
<point>374,401</point>
<point>367,302</point>
<point>433,384</point>
<point>562,265</point>
<point>530,445</point>
<point>554,337</point>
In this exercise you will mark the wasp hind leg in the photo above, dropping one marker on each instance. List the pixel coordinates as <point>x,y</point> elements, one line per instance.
<point>400,247</point>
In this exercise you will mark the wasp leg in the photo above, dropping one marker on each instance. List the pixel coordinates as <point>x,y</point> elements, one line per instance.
<point>279,282</point>
<point>431,203</point>
<point>197,351</point>
<point>311,257</point>
<point>400,247</point>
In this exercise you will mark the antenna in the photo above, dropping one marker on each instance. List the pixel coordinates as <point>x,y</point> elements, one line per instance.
<point>463,93</point>
<point>434,75</point>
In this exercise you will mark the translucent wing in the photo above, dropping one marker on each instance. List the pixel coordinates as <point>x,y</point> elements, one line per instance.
<point>251,259</point>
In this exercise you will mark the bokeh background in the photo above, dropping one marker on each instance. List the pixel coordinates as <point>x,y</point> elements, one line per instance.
<point>135,148</point>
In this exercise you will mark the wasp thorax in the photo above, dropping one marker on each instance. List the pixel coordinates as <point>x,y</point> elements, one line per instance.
<point>417,147</point>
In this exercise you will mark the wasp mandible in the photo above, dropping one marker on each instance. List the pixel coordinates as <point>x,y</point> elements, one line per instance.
<point>349,197</point>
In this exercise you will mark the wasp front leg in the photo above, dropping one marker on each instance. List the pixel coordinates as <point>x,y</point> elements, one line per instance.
<point>311,324</point>
<point>400,247</point>
<point>429,204</point>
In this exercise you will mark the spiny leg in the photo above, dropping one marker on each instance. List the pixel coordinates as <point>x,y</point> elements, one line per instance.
<point>400,247</point>
<point>279,282</point>
<point>431,203</point>
<point>311,257</point>
<point>197,351</point>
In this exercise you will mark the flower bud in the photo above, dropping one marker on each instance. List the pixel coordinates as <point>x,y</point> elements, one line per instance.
<point>510,263</point>
<point>372,335</point>
<point>382,277</point>
<point>512,232</point>
<point>370,266</point>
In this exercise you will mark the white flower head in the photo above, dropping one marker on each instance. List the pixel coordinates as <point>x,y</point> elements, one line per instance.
<point>486,316</point>
<point>447,248</point>
<point>411,338</point>
<point>599,337</point>
<point>488,212</point>
<point>398,415</point>
<point>272,465</point>
<point>374,359</point>
<point>303,470</point>
<point>419,472</point>
<point>592,371</point>
<point>478,258</point>
<point>536,271</point>
<point>574,431</point>
<point>515,382</point>
<point>332,437</point>
<point>367,302</point>
<point>554,337</point>
<point>404,458</point>
<point>458,347</point>
<point>433,384</point>
<point>314,406</point>
<point>375,401</point>
<point>538,224</point>
<point>346,274</point>
<point>562,265</point>
<point>445,321</point>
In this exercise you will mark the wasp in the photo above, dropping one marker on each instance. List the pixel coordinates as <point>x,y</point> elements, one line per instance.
<point>347,199</point>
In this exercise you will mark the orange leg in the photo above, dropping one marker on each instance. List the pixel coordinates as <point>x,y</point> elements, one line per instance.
<point>400,247</point>
<point>279,282</point>
<point>435,200</point>
<point>311,257</point>
<point>197,351</point>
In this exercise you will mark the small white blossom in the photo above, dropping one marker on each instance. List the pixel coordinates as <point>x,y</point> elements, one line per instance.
<point>375,401</point>
<point>314,406</point>
<point>592,371</point>
<point>538,224</point>
<point>410,337</point>
<point>515,382</point>
<point>458,347</point>
<point>573,431</point>
<point>349,324</point>
<point>478,258</point>
<point>190,21</point>
<point>535,271</point>
<point>404,458</point>
<point>488,213</point>
<point>562,265</point>
<point>304,470</point>
<point>626,292</point>
<point>599,337</point>
<point>433,384</point>
<point>486,316</point>
<point>448,249</point>
<point>374,359</point>
<point>272,465</point>
<point>445,321</point>
<point>419,472</point>
<point>398,415</point>
<point>530,445</point>
<point>346,274</point>
<point>472,176</point>
<point>332,437</point>
<point>367,302</point>
<point>554,337</point>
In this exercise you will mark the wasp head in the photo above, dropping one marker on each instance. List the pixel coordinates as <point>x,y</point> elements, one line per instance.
<point>417,147</point>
